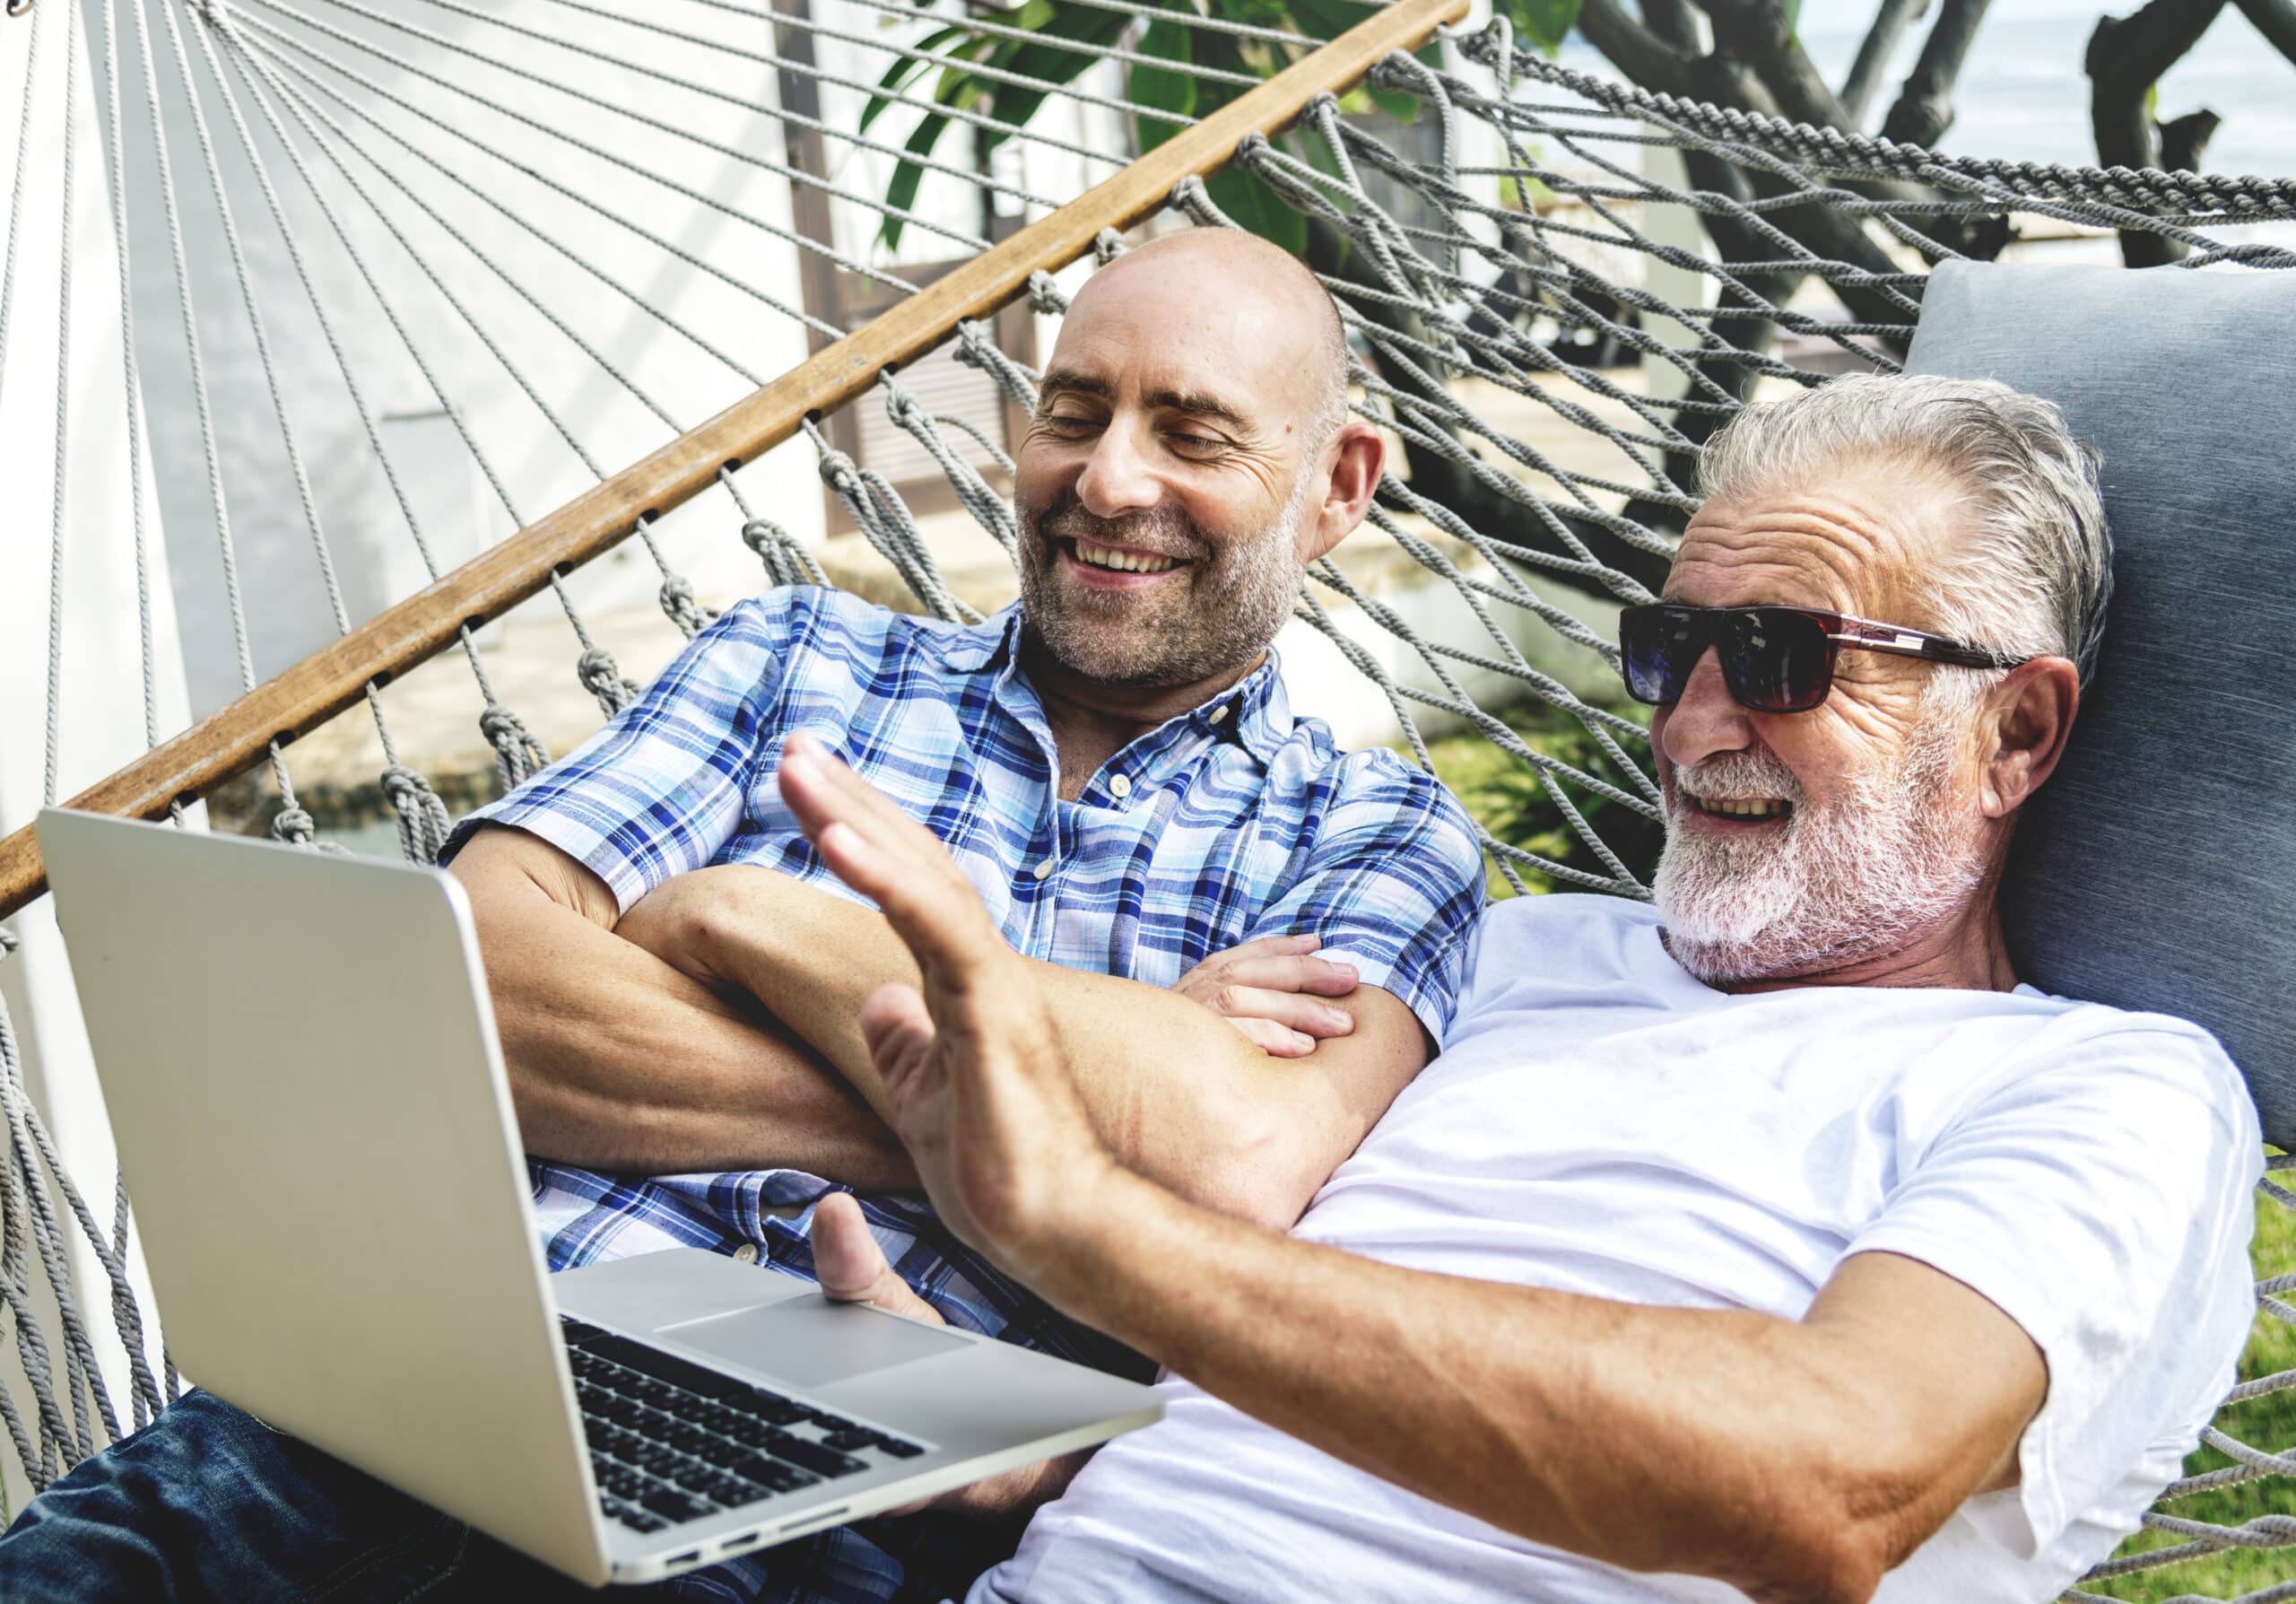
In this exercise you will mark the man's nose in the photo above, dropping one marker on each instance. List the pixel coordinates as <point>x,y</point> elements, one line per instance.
<point>1119,477</point>
<point>1708,720</point>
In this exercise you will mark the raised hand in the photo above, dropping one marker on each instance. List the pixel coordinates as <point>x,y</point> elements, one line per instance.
<point>979,1091</point>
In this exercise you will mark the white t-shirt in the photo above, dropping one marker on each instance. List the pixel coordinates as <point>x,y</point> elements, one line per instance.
<point>1600,1122</point>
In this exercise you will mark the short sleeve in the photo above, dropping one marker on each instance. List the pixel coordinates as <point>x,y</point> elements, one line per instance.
<point>2104,1202</point>
<point>1393,883</point>
<point>660,788</point>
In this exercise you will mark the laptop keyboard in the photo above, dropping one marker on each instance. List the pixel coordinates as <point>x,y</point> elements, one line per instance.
<point>672,1442</point>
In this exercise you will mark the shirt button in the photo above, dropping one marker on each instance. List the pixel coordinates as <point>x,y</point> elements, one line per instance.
<point>1043,870</point>
<point>1220,715</point>
<point>1119,786</point>
<point>746,1253</point>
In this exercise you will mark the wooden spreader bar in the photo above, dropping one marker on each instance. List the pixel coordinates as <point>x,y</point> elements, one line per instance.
<point>323,684</point>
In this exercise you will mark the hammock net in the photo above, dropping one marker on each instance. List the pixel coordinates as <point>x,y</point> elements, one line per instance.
<point>1555,285</point>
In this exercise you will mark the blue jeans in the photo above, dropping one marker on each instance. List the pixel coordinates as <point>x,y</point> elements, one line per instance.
<point>207,1503</point>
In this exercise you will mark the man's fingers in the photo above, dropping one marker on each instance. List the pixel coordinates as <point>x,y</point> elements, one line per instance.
<point>829,789</point>
<point>1276,1041</point>
<point>899,1032</point>
<point>851,1267</point>
<point>1309,1015</point>
<point>1323,977</point>
<point>888,857</point>
<point>822,792</point>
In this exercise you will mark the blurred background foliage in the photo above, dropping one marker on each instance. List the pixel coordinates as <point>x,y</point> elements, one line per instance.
<point>1505,794</point>
<point>1056,44</point>
<point>2268,1420</point>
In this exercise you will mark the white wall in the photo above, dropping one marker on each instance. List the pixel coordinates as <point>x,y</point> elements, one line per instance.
<point>373,550</point>
<point>101,723</point>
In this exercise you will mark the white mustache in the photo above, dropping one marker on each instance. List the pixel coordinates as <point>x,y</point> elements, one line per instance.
<point>1738,774</point>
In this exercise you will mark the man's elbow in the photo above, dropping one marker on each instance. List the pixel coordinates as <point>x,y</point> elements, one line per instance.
<point>1834,1531</point>
<point>1265,1168</point>
<point>1818,1564</point>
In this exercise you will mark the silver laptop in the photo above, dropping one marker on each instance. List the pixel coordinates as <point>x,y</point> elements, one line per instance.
<point>302,1074</point>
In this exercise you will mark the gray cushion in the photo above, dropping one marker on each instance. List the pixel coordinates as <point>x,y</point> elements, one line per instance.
<point>2157,870</point>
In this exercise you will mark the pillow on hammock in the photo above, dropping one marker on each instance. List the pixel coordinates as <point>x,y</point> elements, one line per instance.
<point>2157,869</point>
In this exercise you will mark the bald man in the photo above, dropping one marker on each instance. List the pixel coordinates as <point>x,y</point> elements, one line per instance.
<point>1250,940</point>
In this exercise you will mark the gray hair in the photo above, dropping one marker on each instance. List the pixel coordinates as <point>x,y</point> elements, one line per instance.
<point>1330,401</point>
<point>2033,574</point>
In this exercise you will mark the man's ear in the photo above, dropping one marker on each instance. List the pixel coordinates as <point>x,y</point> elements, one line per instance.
<point>2027,719</point>
<point>1357,453</point>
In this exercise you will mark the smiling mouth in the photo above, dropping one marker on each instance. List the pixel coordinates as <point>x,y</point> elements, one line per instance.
<point>1753,808</point>
<point>1117,559</point>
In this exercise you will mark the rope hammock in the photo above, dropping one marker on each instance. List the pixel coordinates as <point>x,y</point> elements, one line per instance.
<point>1556,287</point>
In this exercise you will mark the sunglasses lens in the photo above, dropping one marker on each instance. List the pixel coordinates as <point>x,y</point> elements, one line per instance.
<point>1776,660</point>
<point>1660,646</point>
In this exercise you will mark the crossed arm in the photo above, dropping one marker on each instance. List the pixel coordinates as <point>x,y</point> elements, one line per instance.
<point>1797,1460</point>
<point>716,1023</point>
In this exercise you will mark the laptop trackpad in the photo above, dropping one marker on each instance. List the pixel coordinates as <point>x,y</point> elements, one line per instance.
<point>811,1342</point>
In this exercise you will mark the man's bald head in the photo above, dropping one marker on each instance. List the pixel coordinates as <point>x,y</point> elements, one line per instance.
<point>1257,282</point>
<point>1189,456</point>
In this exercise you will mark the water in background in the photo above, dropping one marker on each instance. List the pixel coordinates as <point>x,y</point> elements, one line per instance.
<point>2023,94</point>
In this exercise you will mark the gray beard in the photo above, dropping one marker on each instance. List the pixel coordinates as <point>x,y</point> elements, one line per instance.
<point>1858,877</point>
<point>1237,597</point>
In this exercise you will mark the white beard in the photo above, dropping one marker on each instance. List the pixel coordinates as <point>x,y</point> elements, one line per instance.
<point>1883,860</point>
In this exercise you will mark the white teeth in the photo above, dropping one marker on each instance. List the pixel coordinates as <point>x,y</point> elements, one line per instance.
<point>1744,807</point>
<point>1108,556</point>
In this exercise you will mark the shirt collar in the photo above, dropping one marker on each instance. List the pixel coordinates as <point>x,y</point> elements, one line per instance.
<point>975,647</point>
<point>1254,711</point>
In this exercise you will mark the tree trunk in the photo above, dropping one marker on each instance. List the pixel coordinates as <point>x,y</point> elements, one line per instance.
<point>1759,33</point>
<point>2126,59</point>
<point>1644,58</point>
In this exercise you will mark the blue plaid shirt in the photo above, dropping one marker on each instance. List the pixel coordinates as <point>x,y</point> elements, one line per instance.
<point>1230,822</point>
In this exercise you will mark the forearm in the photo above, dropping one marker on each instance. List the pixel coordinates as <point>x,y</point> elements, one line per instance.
<point>649,1073</point>
<point>618,1061</point>
<point>1796,1460</point>
<point>1168,1086</point>
<point>1650,1438</point>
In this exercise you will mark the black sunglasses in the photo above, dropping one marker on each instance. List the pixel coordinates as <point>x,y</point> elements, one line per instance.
<point>1774,659</point>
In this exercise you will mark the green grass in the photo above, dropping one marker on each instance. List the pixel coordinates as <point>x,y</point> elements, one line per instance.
<point>2267,1422</point>
<point>1500,790</point>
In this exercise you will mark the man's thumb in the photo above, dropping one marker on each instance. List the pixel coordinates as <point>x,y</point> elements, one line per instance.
<point>900,1034</point>
<point>851,1267</point>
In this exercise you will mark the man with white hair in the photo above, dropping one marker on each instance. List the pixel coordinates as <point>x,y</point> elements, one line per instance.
<point>1774,1242</point>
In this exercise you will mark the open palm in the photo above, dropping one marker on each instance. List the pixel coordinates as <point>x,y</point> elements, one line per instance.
<point>979,1091</point>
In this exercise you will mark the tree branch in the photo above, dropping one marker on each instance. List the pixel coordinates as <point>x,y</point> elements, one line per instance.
<point>2275,19</point>
<point>1760,34</point>
<point>1873,56</point>
<point>2184,140</point>
<point>1925,106</point>
<point>2126,59</point>
<point>1676,22</point>
<point>1635,50</point>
